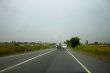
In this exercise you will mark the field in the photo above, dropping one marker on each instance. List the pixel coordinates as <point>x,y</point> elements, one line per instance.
<point>9,49</point>
<point>101,52</point>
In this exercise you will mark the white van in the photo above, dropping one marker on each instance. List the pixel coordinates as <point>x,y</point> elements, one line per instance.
<point>64,46</point>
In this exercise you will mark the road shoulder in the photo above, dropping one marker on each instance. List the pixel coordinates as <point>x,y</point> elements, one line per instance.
<point>93,64</point>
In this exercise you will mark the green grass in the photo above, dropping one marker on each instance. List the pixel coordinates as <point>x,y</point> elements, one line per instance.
<point>96,49</point>
<point>12,49</point>
<point>100,51</point>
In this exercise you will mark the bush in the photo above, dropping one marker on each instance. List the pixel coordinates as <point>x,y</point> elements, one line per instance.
<point>75,41</point>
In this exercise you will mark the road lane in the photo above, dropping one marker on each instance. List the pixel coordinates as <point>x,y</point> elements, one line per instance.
<point>38,65</point>
<point>64,63</point>
<point>15,59</point>
<point>60,61</point>
<point>30,59</point>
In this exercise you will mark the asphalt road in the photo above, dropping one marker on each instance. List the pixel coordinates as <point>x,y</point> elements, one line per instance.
<point>52,61</point>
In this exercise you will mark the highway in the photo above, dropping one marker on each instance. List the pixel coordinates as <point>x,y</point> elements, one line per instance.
<point>52,61</point>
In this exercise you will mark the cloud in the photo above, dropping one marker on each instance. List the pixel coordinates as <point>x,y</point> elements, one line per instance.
<point>54,20</point>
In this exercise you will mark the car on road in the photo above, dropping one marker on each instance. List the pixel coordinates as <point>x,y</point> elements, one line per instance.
<point>59,46</point>
<point>64,46</point>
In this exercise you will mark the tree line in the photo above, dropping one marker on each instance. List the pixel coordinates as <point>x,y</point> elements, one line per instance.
<point>73,42</point>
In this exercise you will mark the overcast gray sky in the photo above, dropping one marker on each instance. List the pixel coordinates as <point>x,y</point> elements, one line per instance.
<point>54,20</point>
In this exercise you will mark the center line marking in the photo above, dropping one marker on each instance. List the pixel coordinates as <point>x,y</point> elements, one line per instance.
<point>13,66</point>
<point>82,65</point>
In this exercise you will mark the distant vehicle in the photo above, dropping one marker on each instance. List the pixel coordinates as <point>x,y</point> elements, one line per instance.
<point>59,46</point>
<point>64,46</point>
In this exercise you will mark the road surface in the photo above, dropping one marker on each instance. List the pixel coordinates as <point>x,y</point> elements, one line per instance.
<point>52,61</point>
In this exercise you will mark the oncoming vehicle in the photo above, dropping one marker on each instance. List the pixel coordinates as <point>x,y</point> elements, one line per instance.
<point>61,46</point>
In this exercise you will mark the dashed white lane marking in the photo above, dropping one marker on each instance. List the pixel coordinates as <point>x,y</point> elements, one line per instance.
<point>13,66</point>
<point>82,65</point>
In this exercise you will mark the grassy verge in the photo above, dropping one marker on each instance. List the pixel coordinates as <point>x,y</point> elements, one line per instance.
<point>101,52</point>
<point>12,49</point>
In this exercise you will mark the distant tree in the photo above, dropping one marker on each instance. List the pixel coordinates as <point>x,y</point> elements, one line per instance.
<point>15,43</point>
<point>96,43</point>
<point>64,42</point>
<point>68,43</point>
<point>75,41</point>
<point>86,41</point>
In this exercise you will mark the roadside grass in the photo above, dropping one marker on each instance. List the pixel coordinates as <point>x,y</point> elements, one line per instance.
<point>12,49</point>
<point>101,52</point>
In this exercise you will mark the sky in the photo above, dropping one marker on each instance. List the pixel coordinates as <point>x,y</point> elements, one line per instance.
<point>54,20</point>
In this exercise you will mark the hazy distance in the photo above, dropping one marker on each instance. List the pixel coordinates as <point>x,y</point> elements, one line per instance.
<point>54,20</point>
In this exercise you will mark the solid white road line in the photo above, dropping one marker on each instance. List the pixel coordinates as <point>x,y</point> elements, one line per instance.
<point>82,65</point>
<point>10,67</point>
